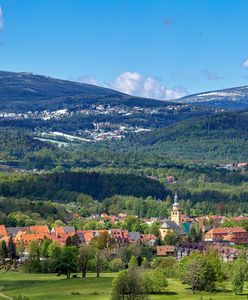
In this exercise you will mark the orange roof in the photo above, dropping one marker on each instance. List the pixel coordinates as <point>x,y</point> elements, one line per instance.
<point>147,237</point>
<point>28,237</point>
<point>88,236</point>
<point>59,229</point>
<point>40,229</point>
<point>3,230</point>
<point>226,230</point>
<point>163,250</point>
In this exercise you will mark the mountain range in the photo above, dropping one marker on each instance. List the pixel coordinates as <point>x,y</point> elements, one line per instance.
<point>200,126</point>
<point>232,98</point>
<point>27,91</point>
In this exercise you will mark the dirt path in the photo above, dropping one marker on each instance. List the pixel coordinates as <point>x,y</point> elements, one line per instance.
<point>2,296</point>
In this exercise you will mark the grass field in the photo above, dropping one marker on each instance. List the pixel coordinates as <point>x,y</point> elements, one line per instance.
<point>50,287</point>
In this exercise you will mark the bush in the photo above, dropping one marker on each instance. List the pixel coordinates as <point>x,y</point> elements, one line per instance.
<point>129,284</point>
<point>156,281</point>
<point>31,266</point>
<point>116,265</point>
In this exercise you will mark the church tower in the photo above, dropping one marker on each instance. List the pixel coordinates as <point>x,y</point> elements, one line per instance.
<point>176,212</point>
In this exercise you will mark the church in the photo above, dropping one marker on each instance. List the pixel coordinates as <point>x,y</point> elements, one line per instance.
<point>174,224</point>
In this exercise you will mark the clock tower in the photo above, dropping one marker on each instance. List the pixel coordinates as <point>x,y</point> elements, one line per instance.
<point>176,212</point>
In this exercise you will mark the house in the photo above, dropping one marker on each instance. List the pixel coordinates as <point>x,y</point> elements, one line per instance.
<point>170,179</point>
<point>227,253</point>
<point>63,230</point>
<point>166,250</point>
<point>41,229</point>
<point>14,230</point>
<point>242,165</point>
<point>133,237</point>
<point>236,235</point>
<point>169,226</point>
<point>3,230</point>
<point>120,236</point>
<point>148,239</point>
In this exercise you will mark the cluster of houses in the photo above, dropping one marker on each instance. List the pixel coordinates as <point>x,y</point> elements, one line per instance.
<point>221,238</point>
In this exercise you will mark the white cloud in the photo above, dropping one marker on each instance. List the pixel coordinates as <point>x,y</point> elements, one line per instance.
<point>134,83</point>
<point>245,64</point>
<point>150,87</point>
<point>1,18</point>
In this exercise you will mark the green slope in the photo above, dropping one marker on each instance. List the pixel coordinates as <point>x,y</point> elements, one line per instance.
<point>221,137</point>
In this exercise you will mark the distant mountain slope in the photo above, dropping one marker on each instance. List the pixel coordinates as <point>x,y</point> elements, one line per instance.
<point>233,98</point>
<point>222,137</point>
<point>27,91</point>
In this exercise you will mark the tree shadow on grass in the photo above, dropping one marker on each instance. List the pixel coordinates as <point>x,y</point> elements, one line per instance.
<point>168,293</point>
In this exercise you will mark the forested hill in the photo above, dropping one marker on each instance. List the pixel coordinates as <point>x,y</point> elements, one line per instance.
<point>217,137</point>
<point>27,91</point>
<point>66,186</point>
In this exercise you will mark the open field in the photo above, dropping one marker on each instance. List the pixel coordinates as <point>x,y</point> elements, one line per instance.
<point>50,287</point>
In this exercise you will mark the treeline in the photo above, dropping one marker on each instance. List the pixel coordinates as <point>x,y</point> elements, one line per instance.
<point>66,186</point>
<point>219,137</point>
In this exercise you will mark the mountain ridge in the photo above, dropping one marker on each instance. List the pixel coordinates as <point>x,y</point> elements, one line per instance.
<point>229,98</point>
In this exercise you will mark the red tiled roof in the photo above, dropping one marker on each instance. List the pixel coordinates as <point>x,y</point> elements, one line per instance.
<point>163,250</point>
<point>40,229</point>
<point>226,230</point>
<point>3,230</point>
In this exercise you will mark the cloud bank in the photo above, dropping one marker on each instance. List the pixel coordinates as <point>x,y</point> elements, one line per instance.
<point>134,83</point>
<point>150,87</point>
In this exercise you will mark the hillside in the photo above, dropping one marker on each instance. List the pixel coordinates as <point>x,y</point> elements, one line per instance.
<point>56,109</point>
<point>20,92</point>
<point>232,98</point>
<point>221,137</point>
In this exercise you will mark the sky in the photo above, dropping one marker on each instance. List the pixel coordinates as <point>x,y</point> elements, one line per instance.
<point>161,49</point>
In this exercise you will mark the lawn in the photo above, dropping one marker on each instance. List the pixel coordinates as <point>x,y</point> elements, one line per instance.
<point>50,287</point>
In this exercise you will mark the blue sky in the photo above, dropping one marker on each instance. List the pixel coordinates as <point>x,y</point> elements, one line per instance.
<point>155,48</point>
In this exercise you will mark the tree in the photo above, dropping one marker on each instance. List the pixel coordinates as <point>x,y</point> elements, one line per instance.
<point>86,252</point>
<point>214,260</point>
<point>102,241</point>
<point>156,281</point>
<point>20,248</point>
<point>125,254</point>
<point>54,250</point>
<point>3,250</point>
<point>84,200</point>
<point>129,284</point>
<point>34,250</point>
<point>12,248</point>
<point>171,239</point>
<point>75,240</point>
<point>116,264</point>
<point>196,271</point>
<point>154,229</point>
<point>133,261</point>
<point>98,260</point>
<point>193,234</point>
<point>67,261</point>
<point>44,247</point>
<point>239,275</point>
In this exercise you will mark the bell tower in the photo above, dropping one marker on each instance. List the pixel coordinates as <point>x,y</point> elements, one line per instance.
<point>176,212</point>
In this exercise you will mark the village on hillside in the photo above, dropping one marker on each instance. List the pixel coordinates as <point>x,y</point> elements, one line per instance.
<point>178,236</point>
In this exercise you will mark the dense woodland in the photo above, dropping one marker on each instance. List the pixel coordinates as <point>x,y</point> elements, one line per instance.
<point>101,172</point>
<point>181,145</point>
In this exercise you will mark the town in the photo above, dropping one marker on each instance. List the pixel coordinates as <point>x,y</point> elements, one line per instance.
<point>177,237</point>
<point>101,122</point>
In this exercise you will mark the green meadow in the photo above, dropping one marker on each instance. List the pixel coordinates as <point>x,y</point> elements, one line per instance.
<point>51,287</point>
